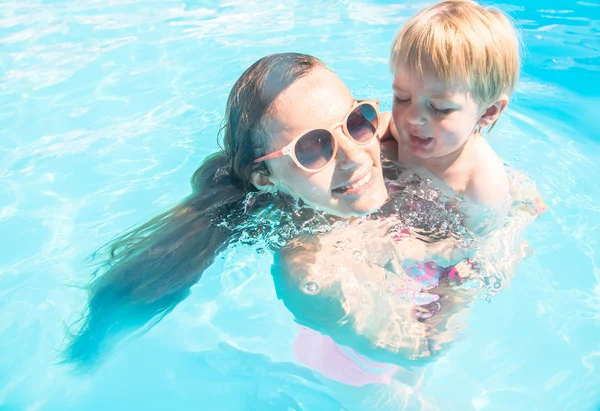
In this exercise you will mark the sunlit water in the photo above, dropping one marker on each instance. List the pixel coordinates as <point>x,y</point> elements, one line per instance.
<point>106,109</point>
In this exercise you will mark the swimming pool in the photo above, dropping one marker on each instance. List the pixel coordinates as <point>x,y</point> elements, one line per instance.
<point>107,107</point>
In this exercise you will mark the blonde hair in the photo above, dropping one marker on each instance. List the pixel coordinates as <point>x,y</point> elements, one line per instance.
<point>463,44</point>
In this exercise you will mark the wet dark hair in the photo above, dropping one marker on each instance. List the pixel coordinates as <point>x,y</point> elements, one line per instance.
<point>150,269</point>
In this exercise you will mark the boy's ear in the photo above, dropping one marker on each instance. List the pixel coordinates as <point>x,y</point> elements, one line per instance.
<point>492,112</point>
<point>262,181</point>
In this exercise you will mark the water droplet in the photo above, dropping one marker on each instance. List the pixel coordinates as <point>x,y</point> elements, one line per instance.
<point>357,255</point>
<point>260,250</point>
<point>340,244</point>
<point>310,287</point>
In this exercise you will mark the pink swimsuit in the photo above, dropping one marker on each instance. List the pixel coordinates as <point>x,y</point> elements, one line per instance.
<point>337,362</point>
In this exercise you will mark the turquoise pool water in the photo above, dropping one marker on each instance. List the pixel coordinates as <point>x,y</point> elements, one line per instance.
<point>107,107</point>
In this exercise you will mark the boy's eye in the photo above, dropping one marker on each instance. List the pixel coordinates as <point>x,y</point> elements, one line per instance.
<point>398,100</point>
<point>441,111</point>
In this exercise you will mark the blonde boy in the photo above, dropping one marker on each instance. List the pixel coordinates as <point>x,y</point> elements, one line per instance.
<point>455,66</point>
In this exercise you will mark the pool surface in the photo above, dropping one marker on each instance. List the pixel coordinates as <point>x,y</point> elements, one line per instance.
<point>106,109</point>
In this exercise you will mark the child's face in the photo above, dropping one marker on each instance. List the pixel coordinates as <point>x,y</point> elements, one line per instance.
<point>432,119</point>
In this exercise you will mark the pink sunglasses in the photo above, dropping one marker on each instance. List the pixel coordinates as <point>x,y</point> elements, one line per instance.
<point>313,150</point>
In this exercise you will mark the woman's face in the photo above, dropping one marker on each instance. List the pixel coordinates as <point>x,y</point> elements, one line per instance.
<point>352,184</point>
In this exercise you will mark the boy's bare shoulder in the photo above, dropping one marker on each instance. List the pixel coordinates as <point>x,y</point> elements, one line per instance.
<point>488,183</point>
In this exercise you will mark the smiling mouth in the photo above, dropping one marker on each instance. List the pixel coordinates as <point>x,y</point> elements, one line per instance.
<point>356,186</point>
<point>420,141</point>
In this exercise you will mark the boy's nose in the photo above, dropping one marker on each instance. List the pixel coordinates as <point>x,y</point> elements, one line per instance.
<point>415,115</point>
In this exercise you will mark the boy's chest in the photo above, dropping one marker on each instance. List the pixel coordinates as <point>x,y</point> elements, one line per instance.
<point>457,180</point>
<point>451,180</point>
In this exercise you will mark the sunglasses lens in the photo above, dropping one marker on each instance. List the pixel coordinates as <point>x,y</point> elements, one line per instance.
<point>314,149</point>
<point>362,123</point>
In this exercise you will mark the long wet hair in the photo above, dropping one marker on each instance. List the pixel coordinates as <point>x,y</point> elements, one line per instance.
<point>151,268</point>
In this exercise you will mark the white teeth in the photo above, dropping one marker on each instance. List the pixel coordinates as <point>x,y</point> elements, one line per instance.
<point>360,183</point>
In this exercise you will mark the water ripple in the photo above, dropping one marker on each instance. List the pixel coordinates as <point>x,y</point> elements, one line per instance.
<point>107,107</point>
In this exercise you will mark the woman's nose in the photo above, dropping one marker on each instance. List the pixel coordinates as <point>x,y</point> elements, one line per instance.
<point>348,154</point>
